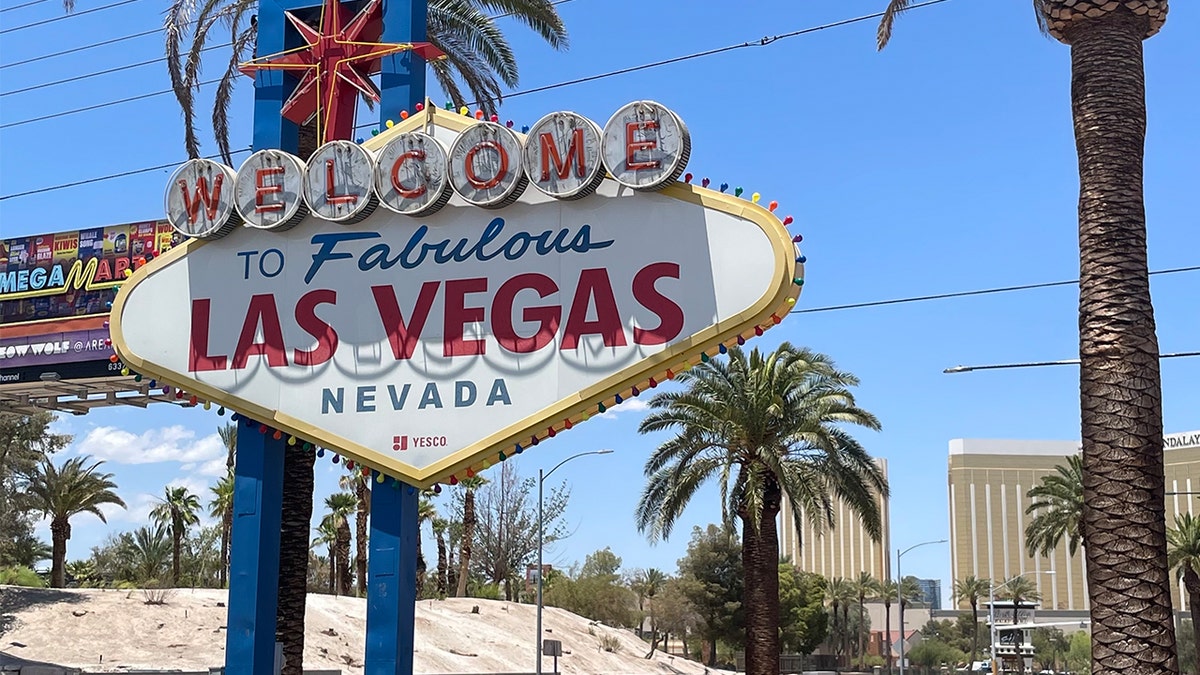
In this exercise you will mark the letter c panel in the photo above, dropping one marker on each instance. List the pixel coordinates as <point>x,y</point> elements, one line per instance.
<point>411,174</point>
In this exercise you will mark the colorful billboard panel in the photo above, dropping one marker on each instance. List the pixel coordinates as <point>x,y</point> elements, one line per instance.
<point>76,273</point>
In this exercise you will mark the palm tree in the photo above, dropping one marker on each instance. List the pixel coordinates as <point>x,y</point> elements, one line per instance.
<point>970,590</point>
<point>839,593</point>
<point>360,483</point>
<point>177,509</point>
<point>327,534</point>
<point>651,582</point>
<point>887,593</point>
<point>228,434</point>
<point>221,506</point>
<point>763,426</point>
<point>477,52</point>
<point>62,492</point>
<point>149,549</point>
<point>425,511</point>
<point>1019,589</point>
<point>1183,554</point>
<point>1057,507</point>
<point>865,586</point>
<point>341,505</point>
<point>469,485</point>
<point>907,591</point>
<point>1119,381</point>
<point>439,531</point>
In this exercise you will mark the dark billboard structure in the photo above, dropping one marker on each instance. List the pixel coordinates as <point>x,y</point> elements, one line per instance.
<point>55,294</point>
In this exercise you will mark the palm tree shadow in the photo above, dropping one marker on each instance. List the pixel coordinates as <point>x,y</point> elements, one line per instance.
<point>14,599</point>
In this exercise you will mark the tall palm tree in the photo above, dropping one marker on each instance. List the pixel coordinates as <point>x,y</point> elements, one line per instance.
<point>360,484</point>
<point>228,434</point>
<point>887,593</point>
<point>341,505</point>
<point>478,54</point>
<point>63,492</point>
<point>425,511</point>
<point>177,510</point>
<point>327,533</point>
<point>1057,507</point>
<point>1020,589</point>
<point>907,591</point>
<point>865,586</point>
<point>763,425</point>
<point>221,506</point>
<point>1183,554</point>
<point>839,594</point>
<point>439,532</point>
<point>295,518</point>
<point>969,590</point>
<point>469,485</point>
<point>1119,381</point>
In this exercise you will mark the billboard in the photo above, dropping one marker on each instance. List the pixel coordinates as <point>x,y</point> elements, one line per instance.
<point>467,317</point>
<point>75,273</point>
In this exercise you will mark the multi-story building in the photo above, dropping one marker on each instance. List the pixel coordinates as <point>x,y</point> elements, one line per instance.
<point>989,480</point>
<point>844,550</point>
<point>931,593</point>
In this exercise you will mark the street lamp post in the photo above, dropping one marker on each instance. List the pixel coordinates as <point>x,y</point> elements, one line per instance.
<point>541,531</point>
<point>900,593</point>
<point>992,616</point>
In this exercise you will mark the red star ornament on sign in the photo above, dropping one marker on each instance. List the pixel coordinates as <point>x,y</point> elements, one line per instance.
<point>337,61</point>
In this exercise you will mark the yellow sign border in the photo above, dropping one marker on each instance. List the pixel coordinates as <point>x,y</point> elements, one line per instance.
<point>573,409</point>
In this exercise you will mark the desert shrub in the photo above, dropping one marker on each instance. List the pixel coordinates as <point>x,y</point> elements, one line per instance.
<point>610,643</point>
<point>21,576</point>
<point>154,594</point>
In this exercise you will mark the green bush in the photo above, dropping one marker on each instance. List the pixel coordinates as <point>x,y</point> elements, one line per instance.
<point>20,576</point>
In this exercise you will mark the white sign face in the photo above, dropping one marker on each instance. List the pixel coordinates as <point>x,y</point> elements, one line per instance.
<point>411,176</point>
<point>338,182</point>
<point>563,157</point>
<point>646,145</point>
<point>485,165</point>
<point>268,190</point>
<point>200,199</point>
<point>422,348</point>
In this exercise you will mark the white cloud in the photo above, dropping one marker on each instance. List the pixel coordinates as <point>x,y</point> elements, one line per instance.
<point>168,444</point>
<point>635,405</point>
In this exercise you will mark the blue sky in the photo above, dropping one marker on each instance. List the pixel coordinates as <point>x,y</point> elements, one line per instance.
<point>946,163</point>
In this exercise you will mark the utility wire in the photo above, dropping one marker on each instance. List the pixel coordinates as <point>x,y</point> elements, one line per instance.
<point>22,6</point>
<point>97,106</point>
<point>1038,364</point>
<point>964,294</point>
<point>72,50</point>
<point>85,76</point>
<point>66,16</point>
<point>133,172</point>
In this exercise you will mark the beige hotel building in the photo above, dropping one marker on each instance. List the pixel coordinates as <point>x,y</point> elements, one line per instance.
<point>988,483</point>
<point>844,550</point>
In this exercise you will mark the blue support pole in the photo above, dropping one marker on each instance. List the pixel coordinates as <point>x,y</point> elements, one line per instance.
<point>392,564</point>
<point>272,87</point>
<point>392,579</point>
<point>254,553</point>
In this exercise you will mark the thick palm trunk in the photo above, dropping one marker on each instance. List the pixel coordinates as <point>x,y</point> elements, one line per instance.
<point>295,521</point>
<point>441,564</point>
<point>887,635</point>
<point>333,570</point>
<point>360,528</point>
<point>760,570</point>
<point>422,567</point>
<point>226,529</point>
<point>60,532</point>
<point>975,628</point>
<point>1191,581</point>
<point>176,549</point>
<point>345,583</point>
<point>468,534</point>
<point>1120,391</point>
<point>862,621</point>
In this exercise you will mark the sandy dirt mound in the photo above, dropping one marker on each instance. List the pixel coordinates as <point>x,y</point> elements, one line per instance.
<point>110,630</point>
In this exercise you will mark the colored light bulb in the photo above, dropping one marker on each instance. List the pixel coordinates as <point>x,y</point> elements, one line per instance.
<point>755,197</point>
<point>403,114</point>
<point>704,182</point>
<point>390,124</point>
<point>420,107</point>
<point>737,192</point>
<point>687,177</point>
<point>772,206</point>
<point>788,220</point>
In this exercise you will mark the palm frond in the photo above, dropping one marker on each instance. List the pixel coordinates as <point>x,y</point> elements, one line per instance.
<point>884,33</point>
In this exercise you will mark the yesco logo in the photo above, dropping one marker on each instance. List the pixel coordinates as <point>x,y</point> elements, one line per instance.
<point>644,146</point>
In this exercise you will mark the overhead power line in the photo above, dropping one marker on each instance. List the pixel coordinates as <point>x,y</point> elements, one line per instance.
<point>1038,364</point>
<point>22,5</point>
<point>73,50</point>
<point>98,73</point>
<point>64,17</point>
<point>760,42</point>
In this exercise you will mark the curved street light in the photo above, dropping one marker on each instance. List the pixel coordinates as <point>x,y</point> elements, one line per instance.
<point>542,476</point>
<point>899,586</point>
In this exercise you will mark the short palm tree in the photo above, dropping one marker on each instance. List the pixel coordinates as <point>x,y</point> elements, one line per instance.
<point>969,590</point>
<point>360,484</point>
<point>341,505</point>
<point>865,586</point>
<point>1119,381</point>
<point>1183,554</point>
<point>1019,589</point>
<point>762,425</point>
<point>439,532</point>
<point>839,595</point>
<point>63,492</point>
<point>327,533</point>
<point>477,53</point>
<point>425,511</point>
<point>177,509</point>
<point>221,506</point>
<point>468,485</point>
<point>149,551</point>
<point>1057,509</point>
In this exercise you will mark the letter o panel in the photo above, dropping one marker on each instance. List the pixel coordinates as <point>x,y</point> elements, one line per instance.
<point>338,184</point>
<point>411,175</point>
<point>485,166</point>
<point>562,155</point>
<point>646,146</point>
<point>199,199</point>
<point>270,190</point>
